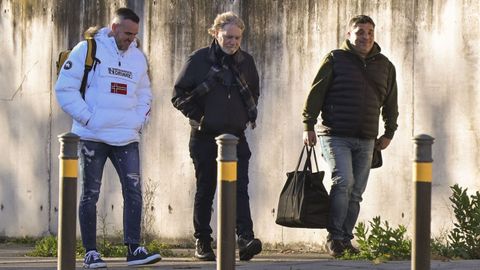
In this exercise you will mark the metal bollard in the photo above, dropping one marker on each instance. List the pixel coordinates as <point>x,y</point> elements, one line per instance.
<point>227,200</point>
<point>422,178</point>
<point>67,210</point>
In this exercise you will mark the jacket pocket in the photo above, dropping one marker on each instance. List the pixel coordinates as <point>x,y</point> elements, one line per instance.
<point>111,119</point>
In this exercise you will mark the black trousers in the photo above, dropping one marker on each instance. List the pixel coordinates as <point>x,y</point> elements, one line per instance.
<point>203,151</point>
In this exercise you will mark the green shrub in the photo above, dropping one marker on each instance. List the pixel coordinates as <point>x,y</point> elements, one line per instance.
<point>159,247</point>
<point>45,247</point>
<point>464,239</point>
<point>110,249</point>
<point>380,243</point>
<point>48,247</point>
<point>440,247</point>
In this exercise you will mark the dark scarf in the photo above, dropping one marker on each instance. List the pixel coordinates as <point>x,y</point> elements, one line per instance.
<point>223,64</point>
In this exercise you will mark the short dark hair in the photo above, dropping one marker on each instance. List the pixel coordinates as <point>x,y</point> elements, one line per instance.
<point>125,14</point>
<point>361,19</point>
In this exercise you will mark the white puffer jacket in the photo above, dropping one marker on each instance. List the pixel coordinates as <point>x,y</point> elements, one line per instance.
<point>118,95</point>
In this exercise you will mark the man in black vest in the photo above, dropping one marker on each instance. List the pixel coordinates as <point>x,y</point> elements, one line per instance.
<point>218,90</point>
<point>354,84</point>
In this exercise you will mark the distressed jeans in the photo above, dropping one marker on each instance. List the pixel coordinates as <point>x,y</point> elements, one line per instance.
<point>126,161</point>
<point>349,160</point>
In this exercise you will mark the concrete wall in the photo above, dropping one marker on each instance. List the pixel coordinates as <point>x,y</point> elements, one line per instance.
<point>431,44</point>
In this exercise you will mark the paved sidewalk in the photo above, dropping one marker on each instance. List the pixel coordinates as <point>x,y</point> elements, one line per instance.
<point>13,257</point>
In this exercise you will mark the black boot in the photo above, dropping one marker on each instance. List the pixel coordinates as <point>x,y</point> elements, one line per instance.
<point>335,248</point>
<point>247,248</point>
<point>204,251</point>
<point>347,244</point>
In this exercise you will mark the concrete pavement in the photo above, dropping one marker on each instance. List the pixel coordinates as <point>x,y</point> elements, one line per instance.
<point>13,257</point>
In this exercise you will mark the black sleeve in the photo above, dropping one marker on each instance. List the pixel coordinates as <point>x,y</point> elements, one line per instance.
<point>254,84</point>
<point>183,98</point>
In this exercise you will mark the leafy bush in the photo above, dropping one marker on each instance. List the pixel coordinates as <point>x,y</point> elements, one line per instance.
<point>110,249</point>
<point>440,247</point>
<point>464,239</point>
<point>159,247</point>
<point>381,242</point>
<point>48,247</point>
<point>45,247</point>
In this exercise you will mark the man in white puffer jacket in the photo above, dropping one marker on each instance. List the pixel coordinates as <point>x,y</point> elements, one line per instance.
<point>109,121</point>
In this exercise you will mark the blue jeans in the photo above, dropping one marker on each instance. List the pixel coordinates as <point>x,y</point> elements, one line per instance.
<point>349,160</point>
<point>203,151</point>
<point>126,160</point>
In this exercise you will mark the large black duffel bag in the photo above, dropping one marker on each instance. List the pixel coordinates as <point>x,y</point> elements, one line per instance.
<point>304,201</point>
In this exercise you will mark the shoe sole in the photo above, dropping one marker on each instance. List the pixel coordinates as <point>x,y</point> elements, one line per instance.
<point>250,251</point>
<point>206,258</point>
<point>150,260</point>
<point>336,255</point>
<point>95,265</point>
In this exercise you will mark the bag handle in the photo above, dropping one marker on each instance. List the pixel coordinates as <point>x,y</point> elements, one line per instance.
<point>315,157</point>
<point>308,163</point>
<point>300,158</point>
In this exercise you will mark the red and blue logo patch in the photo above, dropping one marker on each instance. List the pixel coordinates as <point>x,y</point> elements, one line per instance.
<point>118,88</point>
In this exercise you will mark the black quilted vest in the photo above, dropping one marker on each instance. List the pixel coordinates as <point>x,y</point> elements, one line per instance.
<point>352,104</point>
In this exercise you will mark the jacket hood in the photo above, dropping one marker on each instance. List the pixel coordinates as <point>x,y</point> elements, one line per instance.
<point>102,36</point>
<point>347,46</point>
